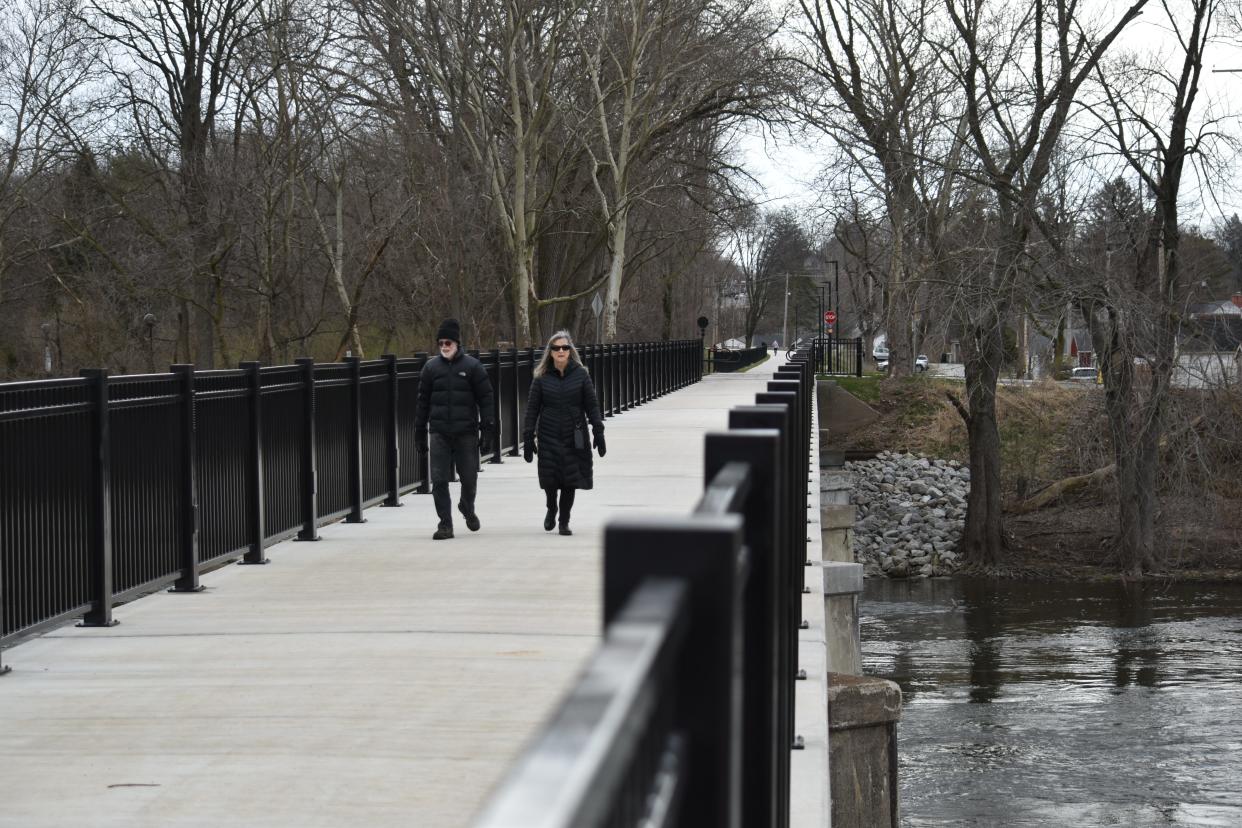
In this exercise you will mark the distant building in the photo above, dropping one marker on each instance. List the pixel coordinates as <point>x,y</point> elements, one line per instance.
<point>1210,351</point>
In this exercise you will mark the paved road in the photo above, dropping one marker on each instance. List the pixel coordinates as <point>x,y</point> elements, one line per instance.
<point>374,678</point>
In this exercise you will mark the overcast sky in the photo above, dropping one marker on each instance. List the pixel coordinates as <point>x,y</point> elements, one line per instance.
<point>786,169</point>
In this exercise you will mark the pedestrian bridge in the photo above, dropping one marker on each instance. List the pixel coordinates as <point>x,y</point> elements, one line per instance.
<point>375,677</point>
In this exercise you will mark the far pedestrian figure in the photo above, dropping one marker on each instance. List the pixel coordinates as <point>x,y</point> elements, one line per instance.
<point>776,346</point>
<point>560,404</point>
<point>454,398</point>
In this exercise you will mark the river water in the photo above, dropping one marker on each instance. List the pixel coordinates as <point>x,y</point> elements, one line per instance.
<point>1048,704</point>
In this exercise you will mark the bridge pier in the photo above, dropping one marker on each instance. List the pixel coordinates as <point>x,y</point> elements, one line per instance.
<point>863,712</point>
<point>843,578</point>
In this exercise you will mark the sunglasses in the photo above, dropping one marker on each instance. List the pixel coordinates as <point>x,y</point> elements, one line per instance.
<point>559,347</point>
<point>444,343</point>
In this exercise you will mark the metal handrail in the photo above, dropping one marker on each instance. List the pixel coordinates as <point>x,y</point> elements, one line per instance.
<point>585,754</point>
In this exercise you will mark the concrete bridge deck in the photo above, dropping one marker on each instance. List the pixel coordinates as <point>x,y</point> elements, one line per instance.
<point>373,678</point>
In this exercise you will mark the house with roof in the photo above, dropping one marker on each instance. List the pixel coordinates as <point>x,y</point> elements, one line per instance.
<point>1210,350</point>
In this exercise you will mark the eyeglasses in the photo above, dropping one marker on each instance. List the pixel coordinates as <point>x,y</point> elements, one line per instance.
<point>559,347</point>
<point>444,343</point>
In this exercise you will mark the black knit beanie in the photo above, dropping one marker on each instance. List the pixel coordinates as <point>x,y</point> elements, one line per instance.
<point>449,329</point>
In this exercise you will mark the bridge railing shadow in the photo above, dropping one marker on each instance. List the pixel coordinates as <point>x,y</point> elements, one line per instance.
<point>113,487</point>
<point>692,689</point>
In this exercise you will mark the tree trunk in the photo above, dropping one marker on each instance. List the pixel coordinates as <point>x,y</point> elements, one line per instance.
<point>1136,512</point>
<point>204,322</point>
<point>897,321</point>
<point>983,534</point>
<point>616,269</point>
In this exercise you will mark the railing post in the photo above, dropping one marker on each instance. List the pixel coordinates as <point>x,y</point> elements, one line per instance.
<point>703,550</point>
<point>858,357</point>
<point>788,602</point>
<point>3,668</point>
<point>515,408</point>
<point>254,465</point>
<point>605,379</point>
<point>423,458</point>
<point>614,379</point>
<point>794,514</point>
<point>634,375</point>
<point>355,440</point>
<point>392,438</point>
<point>310,509</point>
<point>648,371</point>
<point>765,794</point>
<point>498,437</point>
<point>188,543</point>
<point>99,573</point>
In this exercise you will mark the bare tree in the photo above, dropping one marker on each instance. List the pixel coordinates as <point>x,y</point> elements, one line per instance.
<point>655,69</point>
<point>769,249</point>
<point>1134,312</point>
<point>1021,71</point>
<point>44,63</point>
<point>886,99</point>
<point>176,63</point>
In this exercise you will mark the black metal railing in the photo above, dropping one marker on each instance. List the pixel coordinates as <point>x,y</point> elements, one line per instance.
<point>684,715</point>
<point>842,357</point>
<point>726,362</point>
<point>113,487</point>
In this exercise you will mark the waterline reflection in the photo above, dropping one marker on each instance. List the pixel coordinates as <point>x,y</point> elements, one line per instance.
<point>1062,704</point>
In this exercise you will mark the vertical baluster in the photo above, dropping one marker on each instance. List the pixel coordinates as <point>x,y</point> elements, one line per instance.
<point>354,444</point>
<point>191,538</point>
<point>497,392</point>
<point>100,555</point>
<point>514,409</point>
<point>309,471</point>
<point>255,471</point>
<point>392,442</point>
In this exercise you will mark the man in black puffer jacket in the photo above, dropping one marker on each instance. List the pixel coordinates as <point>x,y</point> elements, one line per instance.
<point>454,397</point>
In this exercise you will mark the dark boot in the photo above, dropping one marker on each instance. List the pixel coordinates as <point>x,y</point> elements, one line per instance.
<point>443,532</point>
<point>472,520</point>
<point>567,505</point>
<point>549,520</point>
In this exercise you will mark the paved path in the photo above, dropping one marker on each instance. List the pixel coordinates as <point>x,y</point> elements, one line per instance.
<point>374,678</point>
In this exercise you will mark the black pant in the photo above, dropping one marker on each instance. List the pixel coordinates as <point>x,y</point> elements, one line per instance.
<point>567,503</point>
<point>449,451</point>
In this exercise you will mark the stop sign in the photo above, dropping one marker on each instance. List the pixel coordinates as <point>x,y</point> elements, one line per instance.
<point>830,317</point>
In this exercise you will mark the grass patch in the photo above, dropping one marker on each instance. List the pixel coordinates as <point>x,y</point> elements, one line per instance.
<point>866,388</point>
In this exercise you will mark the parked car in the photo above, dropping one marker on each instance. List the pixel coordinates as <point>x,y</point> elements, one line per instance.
<point>920,363</point>
<point>1083,374</point>
<point>880,353</point>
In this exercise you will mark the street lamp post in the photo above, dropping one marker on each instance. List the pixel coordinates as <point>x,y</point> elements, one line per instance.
<point>702,322</point>
<point>785,315</point>
<point>149,320</point>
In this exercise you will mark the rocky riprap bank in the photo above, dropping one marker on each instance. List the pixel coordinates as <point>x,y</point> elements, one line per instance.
<point>910,514</point>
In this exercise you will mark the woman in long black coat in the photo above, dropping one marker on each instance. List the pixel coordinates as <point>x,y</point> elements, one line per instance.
<point>561,402</point>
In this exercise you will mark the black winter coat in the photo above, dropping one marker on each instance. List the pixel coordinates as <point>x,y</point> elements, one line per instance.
<point>454,396</point>
<point>556,405</point>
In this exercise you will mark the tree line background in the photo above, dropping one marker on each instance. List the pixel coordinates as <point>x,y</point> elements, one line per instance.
<point>214,180</point>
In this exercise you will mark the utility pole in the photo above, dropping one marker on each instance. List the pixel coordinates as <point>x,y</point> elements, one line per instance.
<point>785,315</point>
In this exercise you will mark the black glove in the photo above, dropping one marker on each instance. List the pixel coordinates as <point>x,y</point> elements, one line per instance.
<point>529,450</point>
<point>599,443</point>
<point>420,440</point>
<point>485,440</point>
